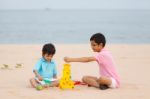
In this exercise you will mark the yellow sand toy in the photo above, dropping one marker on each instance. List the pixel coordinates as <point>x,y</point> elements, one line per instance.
<point>65,81</point>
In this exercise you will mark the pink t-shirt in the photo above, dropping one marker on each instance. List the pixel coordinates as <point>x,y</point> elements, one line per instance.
<point>107,65</point>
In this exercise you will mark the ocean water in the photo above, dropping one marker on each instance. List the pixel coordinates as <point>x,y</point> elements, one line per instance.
<point>74,26</point>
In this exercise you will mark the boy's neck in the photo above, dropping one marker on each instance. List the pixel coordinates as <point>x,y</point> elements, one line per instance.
<point>101,49</point>
<point>47,60</point>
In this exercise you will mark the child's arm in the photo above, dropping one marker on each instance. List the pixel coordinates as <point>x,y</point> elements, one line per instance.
<point>37,75</point>
<point>81,59</point>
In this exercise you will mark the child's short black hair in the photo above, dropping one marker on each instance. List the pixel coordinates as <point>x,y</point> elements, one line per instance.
<point>48,49</point>
<point>98,38</point>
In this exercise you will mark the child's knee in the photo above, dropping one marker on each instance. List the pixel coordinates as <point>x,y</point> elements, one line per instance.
<point>103,80</point>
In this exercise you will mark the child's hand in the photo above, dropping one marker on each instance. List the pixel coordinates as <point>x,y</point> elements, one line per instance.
<point>66,59</point>
<point>40,78</point>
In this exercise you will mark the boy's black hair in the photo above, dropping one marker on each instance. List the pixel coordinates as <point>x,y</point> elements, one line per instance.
<point>48,49</point>
<point>98,38</point>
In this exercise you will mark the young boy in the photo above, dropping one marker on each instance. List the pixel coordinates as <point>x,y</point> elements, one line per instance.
<point>45,69</point>
<point>108,75</point>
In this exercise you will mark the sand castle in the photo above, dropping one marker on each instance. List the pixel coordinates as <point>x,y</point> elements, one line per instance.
<point>65,81</point>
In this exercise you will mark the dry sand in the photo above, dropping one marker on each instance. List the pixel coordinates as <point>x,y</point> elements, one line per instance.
<point>133,64</point>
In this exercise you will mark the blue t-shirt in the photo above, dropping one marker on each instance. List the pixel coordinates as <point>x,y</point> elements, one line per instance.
<point>46,69</point>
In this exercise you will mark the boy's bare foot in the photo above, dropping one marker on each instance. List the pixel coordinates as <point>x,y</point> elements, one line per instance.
<point>103,87</point>
<point>46,86</point>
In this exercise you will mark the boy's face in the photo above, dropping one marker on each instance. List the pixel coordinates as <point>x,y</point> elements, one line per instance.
<point>96,47</point>
<point>48,57</point>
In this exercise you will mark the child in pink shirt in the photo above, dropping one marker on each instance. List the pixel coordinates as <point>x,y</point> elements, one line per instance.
<point>108,75</point>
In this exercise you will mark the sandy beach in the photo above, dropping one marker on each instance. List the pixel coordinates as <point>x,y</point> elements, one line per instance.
<point>133,64</point>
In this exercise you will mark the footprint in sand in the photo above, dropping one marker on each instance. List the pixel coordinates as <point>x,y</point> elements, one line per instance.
<point>18,65</point>
<point>5,66</point>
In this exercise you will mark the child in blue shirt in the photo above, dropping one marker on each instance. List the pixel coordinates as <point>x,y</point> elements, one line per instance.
<point>45,69</point>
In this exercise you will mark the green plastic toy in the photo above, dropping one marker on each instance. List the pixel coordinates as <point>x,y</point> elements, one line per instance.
<point>39,87</point>
<point>47,81</point>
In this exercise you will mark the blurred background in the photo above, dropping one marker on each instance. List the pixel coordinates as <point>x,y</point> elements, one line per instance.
<point>74,21</point>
